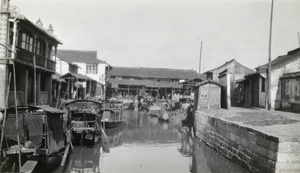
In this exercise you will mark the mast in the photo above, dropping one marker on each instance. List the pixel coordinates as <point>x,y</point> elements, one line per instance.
<point>269,61</point>
<point>200,58</point>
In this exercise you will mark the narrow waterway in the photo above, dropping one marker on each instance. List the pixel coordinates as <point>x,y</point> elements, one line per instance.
<point>147,145</point>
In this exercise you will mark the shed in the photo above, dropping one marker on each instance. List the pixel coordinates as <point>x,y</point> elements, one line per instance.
<point>208,94</point>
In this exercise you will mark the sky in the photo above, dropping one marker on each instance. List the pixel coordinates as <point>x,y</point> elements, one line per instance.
<point>168,33</point>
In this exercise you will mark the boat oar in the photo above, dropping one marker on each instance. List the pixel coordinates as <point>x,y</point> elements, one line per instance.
<point>65,155</point>
<point>105,141</point>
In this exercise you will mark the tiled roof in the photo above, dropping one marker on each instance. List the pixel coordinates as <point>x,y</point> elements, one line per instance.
<point>41,29</point>
<point>144,72</point>
<point>239,68</point>
<point>206,82</point>
<point>146,83</point>
<point>81,56</point>
<point>283,60</point>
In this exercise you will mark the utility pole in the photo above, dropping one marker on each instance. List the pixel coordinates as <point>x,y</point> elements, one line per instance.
<point>299,39</point>
<point>269,61</point>
<point>200,58</point>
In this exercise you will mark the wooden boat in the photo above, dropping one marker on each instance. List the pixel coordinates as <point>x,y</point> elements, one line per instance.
<point>160,109</point>
<point>126,103</point>
<point>43,136</point>
<point>112,115</point>
<point>85,120</point>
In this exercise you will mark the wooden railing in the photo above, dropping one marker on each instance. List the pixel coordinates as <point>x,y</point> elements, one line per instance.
<point>40,61</point>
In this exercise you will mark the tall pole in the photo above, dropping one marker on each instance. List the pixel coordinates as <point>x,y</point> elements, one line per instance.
<point>299,39</point>
<point>269,62</point>
<point>200,58</point>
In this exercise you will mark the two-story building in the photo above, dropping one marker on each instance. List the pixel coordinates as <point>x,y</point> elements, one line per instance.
<point>88,65</point>
<point>34,58</point>
<point>158,82</point>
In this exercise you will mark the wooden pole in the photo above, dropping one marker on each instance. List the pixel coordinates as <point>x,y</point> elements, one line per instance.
<point>200,58</point>
<point>58,94</point>
<point>5,111</point>
<point>299,39</point>
<point>269,60</point>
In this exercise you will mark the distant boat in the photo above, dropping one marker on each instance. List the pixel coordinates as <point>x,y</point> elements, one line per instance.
<point>112,114</point>
<point>160,109</point>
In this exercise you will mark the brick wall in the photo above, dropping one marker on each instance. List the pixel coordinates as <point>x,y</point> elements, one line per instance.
<point>251,149</point>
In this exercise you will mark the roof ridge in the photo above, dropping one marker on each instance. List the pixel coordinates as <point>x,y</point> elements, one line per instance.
<point>77,50</point>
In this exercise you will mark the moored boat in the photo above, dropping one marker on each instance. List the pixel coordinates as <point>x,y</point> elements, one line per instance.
<point>36,135</point>
<point>112,115</point>
<point>85,121</point>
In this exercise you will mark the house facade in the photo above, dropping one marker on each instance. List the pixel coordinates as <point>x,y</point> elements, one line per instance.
<point>88,65</point>
<point>290,91</point>
<point>235,70</point>
<point>34,50</point>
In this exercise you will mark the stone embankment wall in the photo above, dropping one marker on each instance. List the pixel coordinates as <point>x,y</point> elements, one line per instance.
<point>255,151</point>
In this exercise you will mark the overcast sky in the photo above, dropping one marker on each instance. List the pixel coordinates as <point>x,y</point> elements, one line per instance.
<point>168,33</point>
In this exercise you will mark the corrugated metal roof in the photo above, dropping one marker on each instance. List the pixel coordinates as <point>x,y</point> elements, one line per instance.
<point>144,72</point>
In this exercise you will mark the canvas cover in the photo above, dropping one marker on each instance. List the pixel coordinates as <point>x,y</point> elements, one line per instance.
<point>56,133</point>
<point>35,129</point>
<point>11,130</point>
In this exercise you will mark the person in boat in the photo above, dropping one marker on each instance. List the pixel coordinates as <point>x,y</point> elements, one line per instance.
<point>189,120</point>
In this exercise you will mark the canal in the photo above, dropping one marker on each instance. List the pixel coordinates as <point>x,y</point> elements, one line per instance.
<point>147,145</point>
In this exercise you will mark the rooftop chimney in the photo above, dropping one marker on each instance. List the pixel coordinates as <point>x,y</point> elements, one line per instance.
<point>39,23</point>
<point>50,29</point>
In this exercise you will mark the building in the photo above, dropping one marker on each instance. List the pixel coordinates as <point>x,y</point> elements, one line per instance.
<point>290,92</point>
<point>288,63</point>
<point>236,71</point>
<point>255,86</point>
<point>208,94</point>
<point>89,65</point>
<point>253,90</point>
<point>34,58</point>
<point>158,82</point>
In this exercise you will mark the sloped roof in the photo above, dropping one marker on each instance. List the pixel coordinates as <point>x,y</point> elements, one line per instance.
<point>40,29</point>
<point>146,83</point>
<point>239,68</point>
<point>77,76</point>
<point>283,60</point>
<point>81,56</point>
<point>291,75</point>
<point>145,72</point>
<point>206,82</point>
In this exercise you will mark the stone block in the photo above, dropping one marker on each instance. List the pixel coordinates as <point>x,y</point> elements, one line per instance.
<point>273,146</point>
<point>288,157</point>
<point>287,166</point>
<point>252,137</point>
<point>262,151</point>
<point>232,136</point>
<point>245,142</point>
<point>263,142</point>
<point>272,155</point>
<point>289,147</point>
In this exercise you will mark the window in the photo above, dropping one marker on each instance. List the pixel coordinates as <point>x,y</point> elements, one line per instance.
<point>263,84</point>
<point>92,69</point>
<point>40,47</point>
<point>26,41</point>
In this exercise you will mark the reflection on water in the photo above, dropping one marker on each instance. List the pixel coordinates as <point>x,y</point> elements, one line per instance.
<point>146,144</point>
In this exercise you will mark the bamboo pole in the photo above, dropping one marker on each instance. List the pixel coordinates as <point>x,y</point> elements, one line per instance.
<point>5,111</point>
<point>58,94</point>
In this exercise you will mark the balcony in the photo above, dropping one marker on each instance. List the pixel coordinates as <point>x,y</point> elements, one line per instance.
<point>26,57</point>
